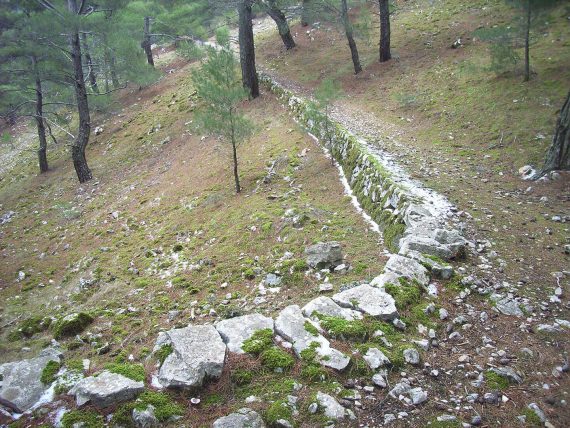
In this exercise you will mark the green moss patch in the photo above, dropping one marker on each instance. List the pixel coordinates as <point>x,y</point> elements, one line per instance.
<point>495,381</point>
<point>405,294</point>
<point>276,358</point>
<point>87,419</point>
<point>341,328</point>
<point>163,352</point>
<point>132,371</point>
<point>29,327</point>
<point>278,410</point>
<point>164,406</point>
<point>260,341</point>
<point>392,233</point>
<point>49,372</point>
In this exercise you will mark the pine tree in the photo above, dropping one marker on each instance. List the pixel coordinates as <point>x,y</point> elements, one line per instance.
<point>217,85</point>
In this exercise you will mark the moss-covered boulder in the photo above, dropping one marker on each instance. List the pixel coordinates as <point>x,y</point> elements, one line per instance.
<point>71,324</point>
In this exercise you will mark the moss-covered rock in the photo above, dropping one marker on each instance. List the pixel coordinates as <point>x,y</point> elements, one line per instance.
<point>72,324</point>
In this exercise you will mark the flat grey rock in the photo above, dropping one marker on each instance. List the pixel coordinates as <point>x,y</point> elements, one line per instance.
<point>375,358</point>
<point>507,305</point>
<point>290,324</point>
<point>243,418</point>
<point>324,255</point>
<point>407,268</point>
<point>332,408</point>
<point>21,384</point>
<point>198,354</point>
<point>235,331</point>
<point>326,306</point>
<point>386,278</point>
<point>105,389</point>
<point>370,300</point>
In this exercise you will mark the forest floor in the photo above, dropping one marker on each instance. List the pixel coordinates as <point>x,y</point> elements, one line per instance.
<point>159,236</point>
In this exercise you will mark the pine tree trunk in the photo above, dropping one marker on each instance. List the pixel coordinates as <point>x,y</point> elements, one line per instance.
<point>527,43</point>
<point>236,175</point>
<point>305,12</point>
<point>350,38</point>
<point>106,60</point>
<point>146,44</point>
<point>39,116</point>
<point>113,67</point>
<point>558,156</point>
<point>247,49</point>
<point>279,17</point>
<point>384,6</point>
<point>90,69</point>
<point>80,142</point>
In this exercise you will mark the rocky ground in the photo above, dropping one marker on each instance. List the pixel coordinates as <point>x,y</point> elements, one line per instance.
<point>154,296</point>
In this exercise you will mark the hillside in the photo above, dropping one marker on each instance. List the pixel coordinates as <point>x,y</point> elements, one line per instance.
<point>127,273</point>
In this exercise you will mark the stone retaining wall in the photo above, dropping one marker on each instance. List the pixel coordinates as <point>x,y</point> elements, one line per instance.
<point>394,202</point>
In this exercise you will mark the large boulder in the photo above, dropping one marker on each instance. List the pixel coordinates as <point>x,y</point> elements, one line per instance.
<point>324,255</point>
<point>326,306</point>
<point>290,324</point>
<point>106,389</point>
<point>235,331</point>
<point>243,418</point>
<point>407,268</point>
<point>370,300</point>
<point>198,353</point>
<point>21,380</point>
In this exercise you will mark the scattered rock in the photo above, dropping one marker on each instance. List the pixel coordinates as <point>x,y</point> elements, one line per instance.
<point>379,380</point>
<point>332,409</point>
<point>198,353</point>
<point>243,418</point>
<point>145,418</point>
<point>235,331</point>
<point>507,305</point>
<point>418,396</point>
<point>106,389</point>
<point>376,359</point>
<point>324,255</point>
<point>412,356</point>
